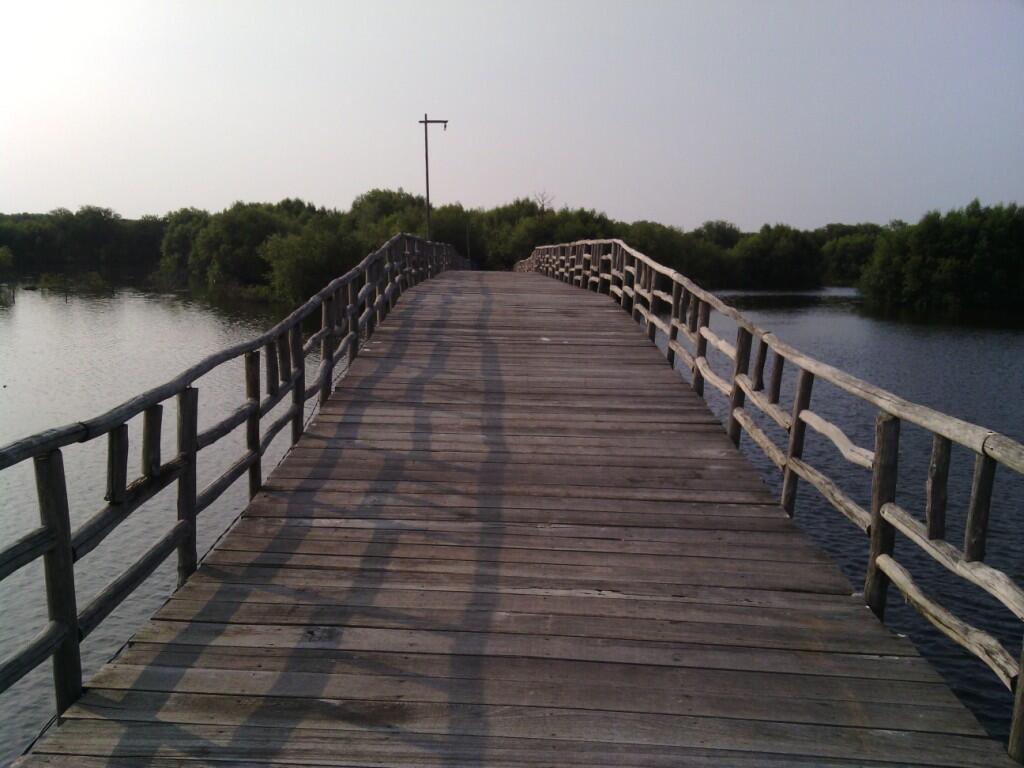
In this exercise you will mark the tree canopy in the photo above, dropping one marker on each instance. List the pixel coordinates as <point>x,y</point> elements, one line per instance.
<point>961,262</point>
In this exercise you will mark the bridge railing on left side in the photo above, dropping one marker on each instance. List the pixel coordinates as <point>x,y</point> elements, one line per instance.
<point>351,307</point>
<point>661,299</point>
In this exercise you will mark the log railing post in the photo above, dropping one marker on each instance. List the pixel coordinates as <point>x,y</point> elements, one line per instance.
<point>188,427</point>
<point>371,297</point>
<point>59,572</point>
<point>638,286</point>
<point>152,419</point>
<point>270,358</point>
<point>757,378</point>
<point>673,322</point>
<point>652,305</point>
<point>353,320</point>
<point>252,422</point>
<point>604,284</point>
<point>389,276</point>
<point>737,397</point>
<point>284,353</point>
<point>1015,745</point>
<point>117,463</point>
<point>299,390</point>
<point>976,527</point>
<point>327,346</point>
<point>383,272</point>
<point>775,385</point>
<point>700,318</point>
<point>797,430</point>
<point>883,491</point>
<point>936,487</point>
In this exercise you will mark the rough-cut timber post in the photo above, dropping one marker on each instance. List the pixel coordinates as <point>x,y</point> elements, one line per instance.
<point>284,353</point>
<point>1015,745</point>
<point>327,345</point>
<point>757,380</point>
<point>796,439</point>
<point>976,528</point>
<point>299,390</point>
<point>936,487</point>
<point>270,357</point>
<point>775,386</point>
<point>252,421</point>
<point>673,328</point>
<point>737,396</point>
<point>152,420</point>
<point>58,568</point>
<point>652,306</point>
<point>702,315</point>
<point>188,423</point>
<point>353,320</point>
<point>883,491</point>
<point>624,299</point>
<point>117,463</point>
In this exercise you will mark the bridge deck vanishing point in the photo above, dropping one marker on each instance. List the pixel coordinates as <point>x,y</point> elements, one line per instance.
<point>513,536</point>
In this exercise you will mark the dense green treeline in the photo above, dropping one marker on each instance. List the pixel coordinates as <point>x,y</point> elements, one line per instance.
<point>967,263</point>
<point>959,263</point>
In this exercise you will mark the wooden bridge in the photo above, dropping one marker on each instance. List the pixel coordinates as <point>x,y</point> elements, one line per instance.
<point>511,536</point>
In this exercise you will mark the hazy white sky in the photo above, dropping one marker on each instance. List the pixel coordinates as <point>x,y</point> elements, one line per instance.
<point>803,112</point>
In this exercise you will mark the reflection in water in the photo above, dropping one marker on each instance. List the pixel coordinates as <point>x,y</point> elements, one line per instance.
<point>68,357</point>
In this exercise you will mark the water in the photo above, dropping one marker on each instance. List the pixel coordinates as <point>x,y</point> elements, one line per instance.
<point>974,373</point>
<point>65,358</point>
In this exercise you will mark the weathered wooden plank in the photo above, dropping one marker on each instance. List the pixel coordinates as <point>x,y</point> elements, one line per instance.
<point>491,547</point>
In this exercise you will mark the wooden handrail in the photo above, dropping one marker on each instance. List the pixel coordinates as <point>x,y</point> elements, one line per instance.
<point>367,292</point>
<point>638,284</point>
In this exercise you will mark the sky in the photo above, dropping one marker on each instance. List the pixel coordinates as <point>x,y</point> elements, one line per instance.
<point>679,112</point>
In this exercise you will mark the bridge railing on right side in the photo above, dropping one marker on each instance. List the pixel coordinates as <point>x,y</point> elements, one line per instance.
<point>661,299</point>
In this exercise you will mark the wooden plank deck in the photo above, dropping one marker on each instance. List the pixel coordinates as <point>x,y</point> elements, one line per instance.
<point>515,537</point>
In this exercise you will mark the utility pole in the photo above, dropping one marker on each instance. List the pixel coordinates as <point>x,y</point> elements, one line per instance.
<point>426,157</point>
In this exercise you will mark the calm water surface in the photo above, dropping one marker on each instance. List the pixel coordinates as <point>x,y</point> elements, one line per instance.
<point>65,358</point>
<point>974,373</point>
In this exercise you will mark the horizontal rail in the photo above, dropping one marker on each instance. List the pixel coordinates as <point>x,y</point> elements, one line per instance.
<point>226,426</point>
<point>772,451</point>
<point>711,377</point>
<point>271,432</point>
<point>31,655</point>
<point>975,640</point>
<point>25,550</point>
<point>115,593</point>
<point>270,401</point>
<point>856,513</point>
<point>862,457</point>
<point>212,492</point>
<point>770,409</point>
<point>94,530</point>
<point>681,353</point>
<point>990,579</point>
<point>718,343</point>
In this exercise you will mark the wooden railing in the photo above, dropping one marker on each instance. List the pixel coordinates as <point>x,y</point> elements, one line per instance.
<point>351,306</point>
<point>664,300</point>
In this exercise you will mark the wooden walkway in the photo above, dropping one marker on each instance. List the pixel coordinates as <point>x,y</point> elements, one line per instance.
<point>515,537</point>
